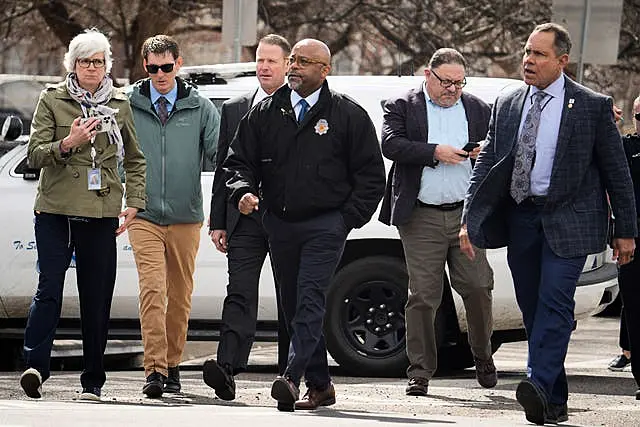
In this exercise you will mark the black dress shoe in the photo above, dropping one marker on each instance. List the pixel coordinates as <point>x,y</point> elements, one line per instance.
<point>155,385</point>
<point>533,401</point>
<point>172,384</point>
<point>417,386</point>
<point>285,392</point>
<point>638,394</point>
<point>557,413</point>
<point>220,379</point>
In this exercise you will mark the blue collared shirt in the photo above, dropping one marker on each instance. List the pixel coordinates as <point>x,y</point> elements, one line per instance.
<point>445,183</point>
<point>170,97</point>
<point>311,100</point>
<point>548,130</point>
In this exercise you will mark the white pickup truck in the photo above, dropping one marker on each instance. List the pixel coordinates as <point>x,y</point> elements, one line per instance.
<point>365,319</point>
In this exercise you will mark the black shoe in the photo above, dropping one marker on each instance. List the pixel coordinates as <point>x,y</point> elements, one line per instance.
<point>91,393</point>
<point>638,394</point>
<point>557,413</point>
<point>220,379</point>
<point>154,386</point>
<point>285,392</point>
<point>486,373</point>
<point>172,384</point>
<point>31,383</point>
<point>619,363</point>
<point>533,402</point>
<point>417,386</point>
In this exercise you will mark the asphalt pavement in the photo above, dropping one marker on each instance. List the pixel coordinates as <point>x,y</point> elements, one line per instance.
<point>598,397</point>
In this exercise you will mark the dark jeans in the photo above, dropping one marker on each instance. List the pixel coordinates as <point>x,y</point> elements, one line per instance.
<point>628,279</point>
<point>545,286</point>
<point>94,242</point>
<point>247,250</point>
<point>305,256</point>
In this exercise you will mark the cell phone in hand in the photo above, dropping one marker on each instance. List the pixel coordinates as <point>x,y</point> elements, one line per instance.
<point>470,146</point>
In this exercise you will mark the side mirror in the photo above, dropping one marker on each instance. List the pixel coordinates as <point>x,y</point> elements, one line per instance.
<point>11,128</point>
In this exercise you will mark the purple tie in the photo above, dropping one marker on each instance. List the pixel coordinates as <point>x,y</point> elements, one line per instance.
<point>161,109</point>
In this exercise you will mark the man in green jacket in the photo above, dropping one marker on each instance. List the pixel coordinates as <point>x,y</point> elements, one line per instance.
<point>176,126</point>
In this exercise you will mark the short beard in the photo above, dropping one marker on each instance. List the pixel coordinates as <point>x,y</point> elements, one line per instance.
<point>294,85</point>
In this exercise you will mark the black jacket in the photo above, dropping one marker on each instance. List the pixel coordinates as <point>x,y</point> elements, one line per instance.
<point>631,144</point>
<point>330,161</point>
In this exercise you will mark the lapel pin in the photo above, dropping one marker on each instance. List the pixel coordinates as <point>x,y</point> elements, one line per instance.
<point>571,101</point>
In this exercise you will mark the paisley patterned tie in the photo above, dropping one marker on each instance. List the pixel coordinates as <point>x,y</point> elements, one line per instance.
<point>161,109</point>
<point>526,150</point>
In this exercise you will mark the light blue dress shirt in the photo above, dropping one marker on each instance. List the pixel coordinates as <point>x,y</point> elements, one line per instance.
<point>311,100</point>
<point>547,138</point>
<point>170,97</point>
<point>445,183</point>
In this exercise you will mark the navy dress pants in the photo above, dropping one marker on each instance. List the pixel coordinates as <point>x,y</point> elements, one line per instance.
<point>545,286</point>
<point>94,242</point>
<point>305,255</point>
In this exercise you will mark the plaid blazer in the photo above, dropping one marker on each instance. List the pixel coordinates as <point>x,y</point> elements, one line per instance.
<point>589,164</point>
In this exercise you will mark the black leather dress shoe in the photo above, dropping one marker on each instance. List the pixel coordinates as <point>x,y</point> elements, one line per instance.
<point>220,379</point>
<point>155,385</point>
<point>172,384</point>
<point>285,392</point>
<point>556,413</point>
<point>638,394</point>
<point>533,401</point>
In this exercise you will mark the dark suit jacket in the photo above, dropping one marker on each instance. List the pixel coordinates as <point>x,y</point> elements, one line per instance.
<point>589,163</point>
<point>224,216</point>
<point>404,140</point>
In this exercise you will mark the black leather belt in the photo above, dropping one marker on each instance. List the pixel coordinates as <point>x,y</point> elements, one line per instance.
<point>442,207</point>
<point>536,200</point>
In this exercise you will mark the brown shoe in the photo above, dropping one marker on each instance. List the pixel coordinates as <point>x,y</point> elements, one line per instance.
<point>417,386</point>
<point>285,392</point>
<point>314,398</point>
<point>486,372</point>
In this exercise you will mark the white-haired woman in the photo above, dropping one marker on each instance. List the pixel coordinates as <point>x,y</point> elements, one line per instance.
<point>82,128</point>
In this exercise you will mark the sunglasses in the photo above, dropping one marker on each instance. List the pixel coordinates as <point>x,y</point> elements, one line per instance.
<point>166,68</point>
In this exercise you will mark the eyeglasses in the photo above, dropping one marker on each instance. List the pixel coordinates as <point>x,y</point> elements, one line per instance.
<point>85,62</point>
<point>303,61</point>
<point>447,83</point>
<point>166,68</point>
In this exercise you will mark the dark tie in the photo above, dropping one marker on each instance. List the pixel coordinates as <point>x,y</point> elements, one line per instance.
<point>161,109</point>
<point>526,150</point>
<point>304,107</point>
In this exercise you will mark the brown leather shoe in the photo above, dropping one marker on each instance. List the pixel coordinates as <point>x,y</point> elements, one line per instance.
<point>486,373</point>
<point>285,392</point>
<point>417,386</point>
<point>314,398</point>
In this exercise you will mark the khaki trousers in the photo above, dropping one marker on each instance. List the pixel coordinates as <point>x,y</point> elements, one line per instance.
<point>430,239</point>
<point>165,256</point>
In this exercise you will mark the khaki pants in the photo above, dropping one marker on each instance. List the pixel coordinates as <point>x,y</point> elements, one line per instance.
<point>165,256</point>
<point>430,239</point>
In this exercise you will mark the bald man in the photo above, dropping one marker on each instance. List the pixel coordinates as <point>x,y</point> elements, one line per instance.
<point>315,157</point>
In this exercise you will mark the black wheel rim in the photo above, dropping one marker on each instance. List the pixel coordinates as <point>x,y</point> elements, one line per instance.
<point>372,318</point>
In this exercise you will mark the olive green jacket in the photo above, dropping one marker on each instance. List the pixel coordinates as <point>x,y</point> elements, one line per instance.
<point>63,187</point>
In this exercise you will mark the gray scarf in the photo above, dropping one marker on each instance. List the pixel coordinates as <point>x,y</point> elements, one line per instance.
<point>98,102</point>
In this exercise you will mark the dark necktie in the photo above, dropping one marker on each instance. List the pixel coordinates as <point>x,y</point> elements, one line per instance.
<point>304,107</point>
<point>161,109</point>
<point>525,152</point>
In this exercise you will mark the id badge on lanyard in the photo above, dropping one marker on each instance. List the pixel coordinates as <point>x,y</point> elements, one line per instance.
<point>94,177</point>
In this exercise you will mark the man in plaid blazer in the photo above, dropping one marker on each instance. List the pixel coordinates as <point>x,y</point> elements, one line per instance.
<point>562,213</point>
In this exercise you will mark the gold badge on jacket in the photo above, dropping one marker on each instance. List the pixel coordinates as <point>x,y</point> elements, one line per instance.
<point>322,127</point>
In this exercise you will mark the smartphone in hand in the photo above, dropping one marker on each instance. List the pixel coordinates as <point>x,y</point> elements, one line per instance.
<point>470,146</point>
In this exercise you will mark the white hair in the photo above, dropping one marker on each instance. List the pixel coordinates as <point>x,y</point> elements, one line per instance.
<point>85,45</point>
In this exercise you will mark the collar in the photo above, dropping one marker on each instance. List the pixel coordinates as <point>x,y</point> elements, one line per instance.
<point>170,97</point>
<point>555,89</point>
<point>311,99</point>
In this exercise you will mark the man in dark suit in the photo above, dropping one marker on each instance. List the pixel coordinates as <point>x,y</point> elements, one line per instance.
<point>242,237</point>
<point>424,133</point>
<point>540,185</point>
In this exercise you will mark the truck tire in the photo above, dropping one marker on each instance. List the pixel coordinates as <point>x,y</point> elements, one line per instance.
<point>364,324</point>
